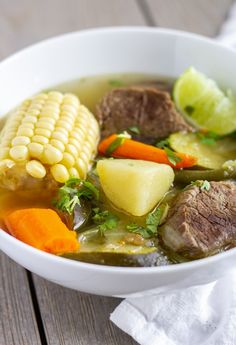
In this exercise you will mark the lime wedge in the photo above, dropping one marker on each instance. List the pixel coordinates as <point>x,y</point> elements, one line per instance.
<point>204,104</point>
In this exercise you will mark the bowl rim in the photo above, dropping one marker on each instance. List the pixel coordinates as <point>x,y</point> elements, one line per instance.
<point>194,264</point>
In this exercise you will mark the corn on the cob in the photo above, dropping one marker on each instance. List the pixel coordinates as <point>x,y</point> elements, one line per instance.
<point>49,134</point>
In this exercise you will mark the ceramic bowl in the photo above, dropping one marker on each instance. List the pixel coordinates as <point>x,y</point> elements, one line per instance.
<point>101,51</point>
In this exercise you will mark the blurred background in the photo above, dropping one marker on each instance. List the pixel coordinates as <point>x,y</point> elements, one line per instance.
<point>23,22</point>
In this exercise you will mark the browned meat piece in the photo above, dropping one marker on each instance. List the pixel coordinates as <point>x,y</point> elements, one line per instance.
<point>148,108</point>
<point>201,222</point>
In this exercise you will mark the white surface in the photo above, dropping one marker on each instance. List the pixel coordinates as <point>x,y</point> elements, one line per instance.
<point>203,315</point>
<point>147,50</point>
<point>227,34</point>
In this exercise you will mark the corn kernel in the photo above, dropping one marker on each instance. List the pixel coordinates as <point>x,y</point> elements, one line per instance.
<point>47,119</point>
<point>30,119</point>
<point>65,125</point>
<point>24,131</point>
<point>40,139</point>
<point>35,150</point>
<point>58,144</point>
<point>57,96</point>
<point>60,136</point>
<point>60,173</point>
<point>76,143</point>
<point>72,150</point>
<point>19,153</point>
<point>50,114</point>
<point>33,112</point>
<point>60,129</point>
<point>45,125</point>
<point>51,155</point>
<point>35,169</point>
<point>20,140</point>
<point>73,172</point>
<point>44,132</point>
<point>81,167</point>
<point>68,160</point>
<point>27,125</point>
<point>68,108</point>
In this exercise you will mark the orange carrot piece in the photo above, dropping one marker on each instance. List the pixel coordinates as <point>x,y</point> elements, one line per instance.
<point>137,150</point>
<point>42,229</point>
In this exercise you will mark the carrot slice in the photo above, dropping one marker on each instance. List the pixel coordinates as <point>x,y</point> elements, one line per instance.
<point>42,229</point>
<point>134,149</point>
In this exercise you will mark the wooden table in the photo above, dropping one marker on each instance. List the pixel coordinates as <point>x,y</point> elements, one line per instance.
<point>34,311</point>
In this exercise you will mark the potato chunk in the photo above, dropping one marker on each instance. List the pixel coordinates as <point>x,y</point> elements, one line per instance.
<point>134,186</point>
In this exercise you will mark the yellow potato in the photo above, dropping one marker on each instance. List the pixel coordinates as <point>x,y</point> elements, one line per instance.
<point>134,186</point>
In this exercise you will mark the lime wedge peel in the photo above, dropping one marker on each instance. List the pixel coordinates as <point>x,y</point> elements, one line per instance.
<point>204,104</point>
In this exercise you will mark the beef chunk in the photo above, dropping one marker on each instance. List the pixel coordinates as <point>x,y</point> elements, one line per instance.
<point>201,222</point>
<point>148,108</point>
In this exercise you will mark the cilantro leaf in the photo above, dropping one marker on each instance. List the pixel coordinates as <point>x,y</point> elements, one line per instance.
<point>153,220</point>
<point>105,220</point>
<point>202,184</point>
<point>73,190</point>
<point>163,143</point>
<point>134,129</point>
<point>172,157</point>
<point>118,141</point>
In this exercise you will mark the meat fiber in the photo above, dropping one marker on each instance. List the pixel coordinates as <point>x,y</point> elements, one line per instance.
<point>201,222</point>
<point>148,108</point>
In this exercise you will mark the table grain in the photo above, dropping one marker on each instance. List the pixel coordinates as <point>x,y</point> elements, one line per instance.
<point>34,311</point>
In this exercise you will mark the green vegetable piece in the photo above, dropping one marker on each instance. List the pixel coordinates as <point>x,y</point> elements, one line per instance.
<point>202,147</point>
<point>187,176</point>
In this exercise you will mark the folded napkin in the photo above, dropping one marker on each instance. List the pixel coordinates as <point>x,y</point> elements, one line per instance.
<point>227,34</point>
<point>200,315</point>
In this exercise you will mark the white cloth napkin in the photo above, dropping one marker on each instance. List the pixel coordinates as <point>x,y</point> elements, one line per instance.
<point>201,315</point>
<point>227,34</point>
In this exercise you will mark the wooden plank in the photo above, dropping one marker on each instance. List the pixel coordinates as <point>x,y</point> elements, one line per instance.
<point>32,20</point>
<point>201,16</point>
<point>73,318</point>
<point>17,319</point>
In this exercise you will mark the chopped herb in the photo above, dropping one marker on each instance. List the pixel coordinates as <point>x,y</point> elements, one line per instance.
<point>69,195</point>
<point>120,138</point>
<point>163,143</point>
<point>189,109</point>
<point>105,220</point>
<point>208,138</point>
<point>134,129</point>
<point>153,220</point>
<point>116,82</point>
<point>202,184</point>
<point>172,157</point>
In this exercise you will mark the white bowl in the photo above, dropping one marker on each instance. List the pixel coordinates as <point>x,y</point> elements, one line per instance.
<point>113,50</point>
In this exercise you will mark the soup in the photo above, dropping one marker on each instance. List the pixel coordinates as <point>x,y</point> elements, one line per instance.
<point>139,172</point>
